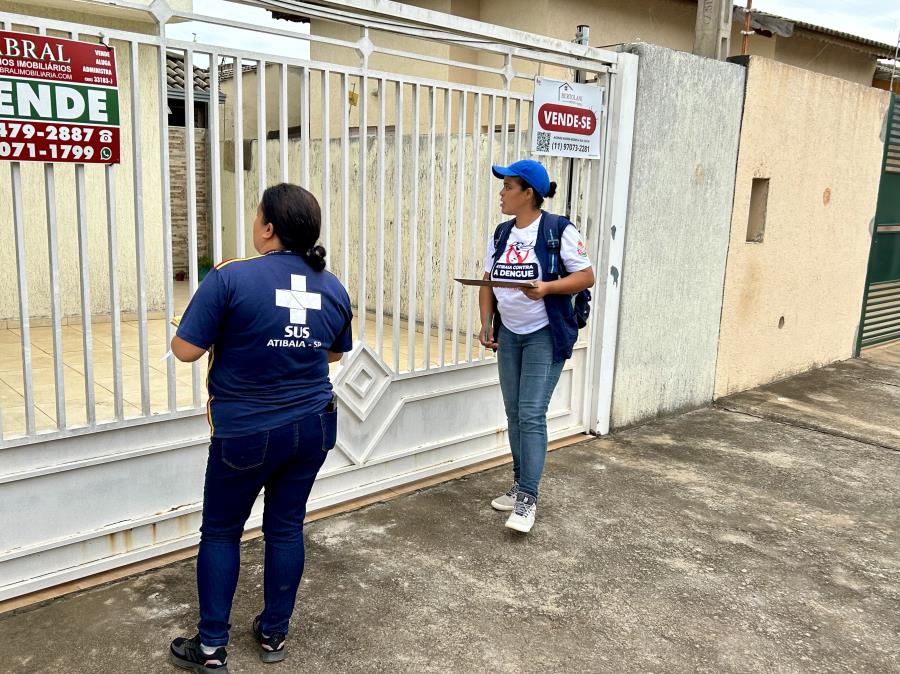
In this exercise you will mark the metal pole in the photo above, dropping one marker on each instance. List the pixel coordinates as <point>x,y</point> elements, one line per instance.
<point>745,39</point>
<point>895,64</point>
<point>582,36</point>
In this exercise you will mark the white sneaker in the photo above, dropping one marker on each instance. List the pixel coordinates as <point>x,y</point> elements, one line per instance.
<point>522,516</point>
<point>506,502</point>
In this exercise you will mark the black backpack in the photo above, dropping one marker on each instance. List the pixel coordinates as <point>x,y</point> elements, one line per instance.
<point>555,267</point>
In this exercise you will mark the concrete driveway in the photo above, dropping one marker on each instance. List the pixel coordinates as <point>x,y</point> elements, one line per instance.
<point>757,536</point>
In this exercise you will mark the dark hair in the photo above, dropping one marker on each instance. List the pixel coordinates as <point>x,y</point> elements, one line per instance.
<point>296,218</point>
<point>537,199</point>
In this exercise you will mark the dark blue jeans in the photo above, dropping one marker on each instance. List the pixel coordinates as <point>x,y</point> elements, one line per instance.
<point>285,461</point>
<point>528,376</point>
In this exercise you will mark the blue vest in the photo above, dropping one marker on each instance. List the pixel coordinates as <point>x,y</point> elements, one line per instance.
<point>560,311</point>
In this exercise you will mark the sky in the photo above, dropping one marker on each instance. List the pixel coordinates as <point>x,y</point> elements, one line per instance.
<point>875,19</point>
<point>234,37</point>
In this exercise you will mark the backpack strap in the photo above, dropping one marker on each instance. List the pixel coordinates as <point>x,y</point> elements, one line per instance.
<point>501,236</point>
<point>552,233</point>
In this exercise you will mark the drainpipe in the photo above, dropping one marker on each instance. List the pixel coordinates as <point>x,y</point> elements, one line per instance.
<point>746,33</point>
<point>895,64</point>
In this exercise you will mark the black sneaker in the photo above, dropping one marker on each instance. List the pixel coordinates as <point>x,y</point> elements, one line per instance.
<point>187,654</point>
<point>271,648</point>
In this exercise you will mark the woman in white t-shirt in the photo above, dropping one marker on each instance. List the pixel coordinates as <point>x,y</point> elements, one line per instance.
<point>537,322</point>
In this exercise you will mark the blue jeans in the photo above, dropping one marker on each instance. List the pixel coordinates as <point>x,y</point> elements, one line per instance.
<point>528,376</point>
<point>285,461</point>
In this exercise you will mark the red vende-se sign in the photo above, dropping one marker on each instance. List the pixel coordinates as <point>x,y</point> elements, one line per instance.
<point>566,118</point>
<point>555,117</point>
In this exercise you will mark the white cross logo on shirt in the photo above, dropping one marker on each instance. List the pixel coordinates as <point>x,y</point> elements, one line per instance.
<point>297,299</point>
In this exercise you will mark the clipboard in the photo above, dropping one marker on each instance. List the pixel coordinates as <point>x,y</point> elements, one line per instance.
<point>495,284</point>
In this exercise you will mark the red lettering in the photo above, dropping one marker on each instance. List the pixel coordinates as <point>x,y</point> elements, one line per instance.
<point>565,118</point>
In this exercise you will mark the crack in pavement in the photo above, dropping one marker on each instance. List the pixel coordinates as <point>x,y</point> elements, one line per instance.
<point>788,421</point>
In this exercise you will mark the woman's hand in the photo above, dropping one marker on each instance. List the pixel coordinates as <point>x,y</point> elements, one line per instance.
<point>486,337</point>
<point>537,291</point>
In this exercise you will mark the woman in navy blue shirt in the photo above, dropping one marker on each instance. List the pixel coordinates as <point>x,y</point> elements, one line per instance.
<point>271,324</point>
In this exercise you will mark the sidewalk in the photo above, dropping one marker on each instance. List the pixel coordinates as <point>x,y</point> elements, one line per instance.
<point>758,536</point>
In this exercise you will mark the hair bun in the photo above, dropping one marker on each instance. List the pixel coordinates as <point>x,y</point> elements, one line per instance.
<point>315,256</point>
<point>552,191</point>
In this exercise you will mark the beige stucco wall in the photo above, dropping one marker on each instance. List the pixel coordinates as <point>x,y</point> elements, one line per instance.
<point>818,140</point>
<point>36,241</point>
<point>827,56</point>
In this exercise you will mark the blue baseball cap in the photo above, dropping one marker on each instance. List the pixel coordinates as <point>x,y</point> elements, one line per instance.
<point>532,172</point>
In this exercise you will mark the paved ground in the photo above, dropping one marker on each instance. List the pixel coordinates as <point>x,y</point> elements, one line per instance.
<point>760,536</point>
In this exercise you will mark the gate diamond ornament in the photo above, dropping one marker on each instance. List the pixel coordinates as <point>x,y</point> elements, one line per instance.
<point>362,381</point>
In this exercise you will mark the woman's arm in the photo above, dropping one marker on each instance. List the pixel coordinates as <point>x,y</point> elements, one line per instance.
<point>486,306</point>
<point>571,284</point>
<point>185,351</point>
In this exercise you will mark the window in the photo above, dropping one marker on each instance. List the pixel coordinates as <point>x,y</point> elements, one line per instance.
<point>759,201</point>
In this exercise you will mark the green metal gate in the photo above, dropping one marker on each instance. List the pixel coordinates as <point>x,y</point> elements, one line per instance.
<point>881,306</point>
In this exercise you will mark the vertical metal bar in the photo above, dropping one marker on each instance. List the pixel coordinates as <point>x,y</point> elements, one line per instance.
<point>137,171</point>
<point>191,196</point>
<point>168,276</point>
<point>345,177</point>
<point>261,127</point>
<point>445,226</point>
<point>22,278</point>
<point>379,224</point>
<point>214,159</point>
<point>518,142</point>
<point>326,158</point>
<point>475,230</point>
<point>283,121</point>
<point>504,129</point>
<point>488,223</point>
<point>459,227</point>
<point>239,157</point>
<point>362,224</point>
<point>304,127</point>
<point>489,177</point>
<point>398,220</point>
<point>84,265</point>
<point>114,309</point>
<point>529,130</point>
<point>584,225</point>
<point>429,237</point>
<point>55,304</point>
<point>575,189</point>
<point>413,232</point>
<point>604,176</point>
<point>562,175</point>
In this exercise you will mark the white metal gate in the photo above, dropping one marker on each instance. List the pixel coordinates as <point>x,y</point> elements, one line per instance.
<point>104,438</point>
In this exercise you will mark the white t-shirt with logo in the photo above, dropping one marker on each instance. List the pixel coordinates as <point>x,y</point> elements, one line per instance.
<point>518,262</point>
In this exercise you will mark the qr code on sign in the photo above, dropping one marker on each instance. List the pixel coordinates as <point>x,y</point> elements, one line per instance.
<point>543,142</point>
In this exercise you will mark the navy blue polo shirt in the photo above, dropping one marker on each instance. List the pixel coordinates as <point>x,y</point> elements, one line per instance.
<point>268,322</point>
